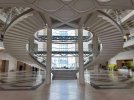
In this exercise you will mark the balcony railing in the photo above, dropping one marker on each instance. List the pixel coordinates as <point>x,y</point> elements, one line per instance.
<point>42,38</point>
<point>130,38</point>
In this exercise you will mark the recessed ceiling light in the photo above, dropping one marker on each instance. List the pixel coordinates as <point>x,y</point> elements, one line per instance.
<point>103,0</point>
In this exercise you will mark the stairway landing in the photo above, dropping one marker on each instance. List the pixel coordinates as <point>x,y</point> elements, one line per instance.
<point>64,74</point>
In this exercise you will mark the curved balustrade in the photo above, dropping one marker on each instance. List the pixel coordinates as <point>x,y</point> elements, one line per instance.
<point>62,52</point>
<point>42,37</point>
<point>73,39</point>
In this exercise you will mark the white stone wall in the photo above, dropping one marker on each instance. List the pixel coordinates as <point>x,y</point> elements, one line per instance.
<point>12,61</point>
<point>122,56</point>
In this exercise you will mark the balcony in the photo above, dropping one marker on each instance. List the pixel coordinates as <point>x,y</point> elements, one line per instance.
<point>129,42</point>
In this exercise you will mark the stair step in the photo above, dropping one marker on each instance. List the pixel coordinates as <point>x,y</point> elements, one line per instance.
<point>64,74</point>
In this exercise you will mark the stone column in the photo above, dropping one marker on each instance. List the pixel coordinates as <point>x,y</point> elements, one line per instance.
<point>45,43</point>
<point>76,48</point>
<point>49,52</point>
<point>31,45</point>
<point>95,46</point>
<point>95,51</point>
<point>80,52</point>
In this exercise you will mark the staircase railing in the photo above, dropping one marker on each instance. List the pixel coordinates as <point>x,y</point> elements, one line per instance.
<point>39,59</point>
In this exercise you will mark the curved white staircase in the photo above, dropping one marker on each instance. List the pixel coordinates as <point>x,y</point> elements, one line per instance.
<point>109,34</point>
<point>20,32</point>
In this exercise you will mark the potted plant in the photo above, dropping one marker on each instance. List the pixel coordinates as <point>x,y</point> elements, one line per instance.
<point>130,65</point>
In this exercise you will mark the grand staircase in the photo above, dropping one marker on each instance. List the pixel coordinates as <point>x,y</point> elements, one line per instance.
<point>109,34</point>
<point>21,31</point>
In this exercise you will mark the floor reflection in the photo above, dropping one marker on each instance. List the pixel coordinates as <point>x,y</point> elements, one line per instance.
<point>109,80</point>
<point>20,80</point>
<point>66,90</point>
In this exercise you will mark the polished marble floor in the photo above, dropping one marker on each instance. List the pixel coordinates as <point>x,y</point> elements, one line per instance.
<point>20,81</point>
<point>72,90</point>
<point>110,80</point>
<point>68,90</point>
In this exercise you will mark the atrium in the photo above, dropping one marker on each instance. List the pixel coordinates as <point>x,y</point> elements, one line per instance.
<point>66,49</point>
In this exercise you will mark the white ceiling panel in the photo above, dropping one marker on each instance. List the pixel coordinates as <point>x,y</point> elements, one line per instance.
<point>66,13</point>
<point>116,3</point>
<point>83,5</point>
<point>67,1</point>
<point>29,1</point>
<point>49,5</point>
<point>11,1</point>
